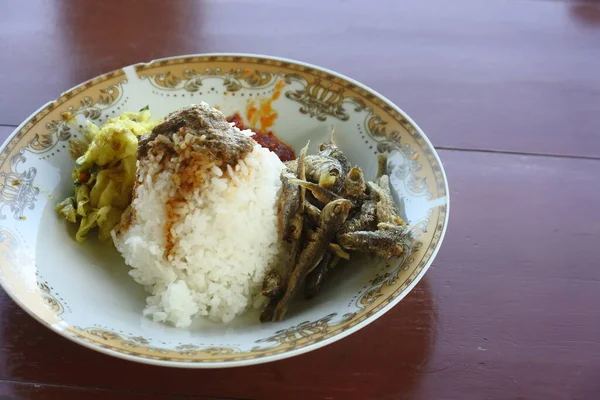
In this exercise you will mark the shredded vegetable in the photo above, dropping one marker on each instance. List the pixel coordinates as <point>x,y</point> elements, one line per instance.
<point>104,173</point>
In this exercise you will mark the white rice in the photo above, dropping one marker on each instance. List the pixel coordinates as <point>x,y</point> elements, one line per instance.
<point>223,246</point>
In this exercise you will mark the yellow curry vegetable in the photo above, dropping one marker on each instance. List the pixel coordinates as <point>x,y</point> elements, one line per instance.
<point>105,173</point>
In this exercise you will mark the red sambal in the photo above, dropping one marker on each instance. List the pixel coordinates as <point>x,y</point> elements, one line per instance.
<point>266,139</point>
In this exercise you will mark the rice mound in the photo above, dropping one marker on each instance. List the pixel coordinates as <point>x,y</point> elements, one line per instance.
<point>225,241</point>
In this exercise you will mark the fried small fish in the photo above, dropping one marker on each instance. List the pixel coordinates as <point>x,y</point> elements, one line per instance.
<point>387,241</point>
<point>290,209</point>
<point>330,149</point>
<point>268,311</point>
<point>327,171</point>
<point>386,208</point>
<point>364,220</point>
<point>315,278</point>
<point>296,220</point>
<point>354,184</point>
<point>272,286</point>
<point>333,216</point>
<point>291,197</point>
<point>321,194</point>
<point>324,170</point>
<point>337,250</point>
<point>313,214</point>
<point>288,204</point>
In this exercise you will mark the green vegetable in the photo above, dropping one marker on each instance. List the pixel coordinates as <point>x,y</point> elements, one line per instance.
<point>104,174</point>
<point>82,198</point>
<point>87,223</point>
<point>108,218</point>
<point>66,209</point>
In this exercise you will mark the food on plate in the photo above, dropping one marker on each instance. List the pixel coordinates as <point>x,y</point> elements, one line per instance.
<point>343,214</point>
<point>201,231</point>
<point>104,174</point>
<point>214,219</point>
<point>333,215</point>
<point>266,139</point>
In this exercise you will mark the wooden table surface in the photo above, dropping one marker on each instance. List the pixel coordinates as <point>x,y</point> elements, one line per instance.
<point>507,90</point>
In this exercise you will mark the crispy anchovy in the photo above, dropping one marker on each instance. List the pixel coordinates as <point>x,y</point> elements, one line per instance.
<point>287,205</point>
<point>296,220</point>
<point>323,195</point>
<point>386,208</point>
<point>315,279</point>
<point>387,241</point>
<point>313,214</point>
<point>324,170</point>
<point>327,171</point>
<point>354,184</point>
<point>291,198</point>
<point>292,223</point>
<point>272,286</point>
<point>330,149</point>
<point>337,250</point>
<point>268,311</point>
<point>332,217</point>
<point>365,220</point>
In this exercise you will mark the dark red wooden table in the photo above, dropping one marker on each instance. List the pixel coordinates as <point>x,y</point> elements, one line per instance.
<point>508,91</point>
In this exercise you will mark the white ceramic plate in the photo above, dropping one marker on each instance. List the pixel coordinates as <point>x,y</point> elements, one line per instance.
<point>83,292</point>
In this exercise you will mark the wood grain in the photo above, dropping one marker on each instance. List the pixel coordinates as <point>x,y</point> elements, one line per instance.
<point>32,391</point>
<point>504,75</point>
<point>511,307</point>
<point>508,310</point>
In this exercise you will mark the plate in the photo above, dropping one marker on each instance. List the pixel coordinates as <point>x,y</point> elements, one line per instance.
<point>84,293</point>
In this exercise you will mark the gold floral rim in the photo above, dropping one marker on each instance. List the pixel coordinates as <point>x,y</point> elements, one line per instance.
<point>323,95</point>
